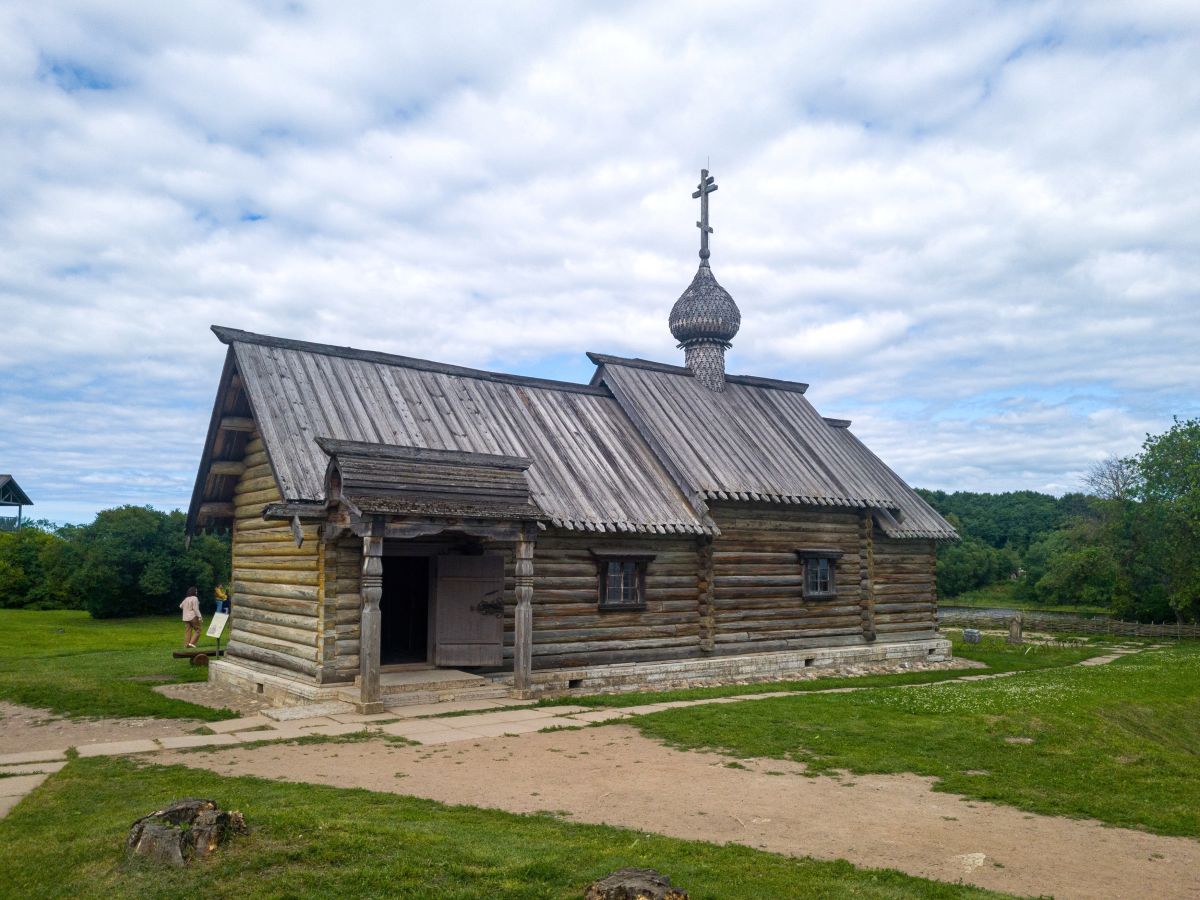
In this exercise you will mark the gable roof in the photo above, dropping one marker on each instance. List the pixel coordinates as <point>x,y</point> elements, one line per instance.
<point>640,449</point>
<point>11,493</point>
<point>589,469</point>
<point>761,440</point>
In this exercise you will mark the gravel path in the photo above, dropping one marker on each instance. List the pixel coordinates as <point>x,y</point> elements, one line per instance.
<point>614,775</point>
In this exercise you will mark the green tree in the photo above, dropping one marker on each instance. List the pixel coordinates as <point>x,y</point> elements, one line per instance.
<point>133,561</point>
<point>1168,471</point>
<point>33,561</point>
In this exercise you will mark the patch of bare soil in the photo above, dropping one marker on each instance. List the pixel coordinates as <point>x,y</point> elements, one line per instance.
<point>614,775</point>
<point>24,728</point>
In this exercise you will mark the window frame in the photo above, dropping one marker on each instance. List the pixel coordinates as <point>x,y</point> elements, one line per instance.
<point>641,562</point>
<point>813,556</point>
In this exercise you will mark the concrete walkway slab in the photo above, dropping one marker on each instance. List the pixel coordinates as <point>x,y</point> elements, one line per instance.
<point>410,727</point>
<point>336,729</point>
<point>449,736</point>
<point>8,759</point>
<point>453,706</point>
<point>599,715</point>
<point>116,748</point>
<point>199,740</point>
<point>20,785</point>
<point>33,768</point>
<point>231,725</point>
<point>498,729</point>
<point>508,715</point>
<point>308,711</point>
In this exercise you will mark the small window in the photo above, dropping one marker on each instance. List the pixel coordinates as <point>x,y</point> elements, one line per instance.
<point>622,581</point>
<point>818,577</point>
<point>820,572</point>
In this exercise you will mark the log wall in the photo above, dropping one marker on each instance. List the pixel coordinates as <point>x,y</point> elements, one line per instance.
<point>276,614</point>
<point>741,592</point>
<point>569,629</point>
<point>758,581</point>
<point>905,587</point>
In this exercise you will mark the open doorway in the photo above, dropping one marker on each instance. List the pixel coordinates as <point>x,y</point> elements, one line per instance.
<point>404,610</point>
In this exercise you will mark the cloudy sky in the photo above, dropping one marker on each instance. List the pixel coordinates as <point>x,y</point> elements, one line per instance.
<point>971,226</point>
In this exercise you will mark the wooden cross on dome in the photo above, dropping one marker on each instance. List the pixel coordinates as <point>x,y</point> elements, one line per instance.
<point>707,186</point>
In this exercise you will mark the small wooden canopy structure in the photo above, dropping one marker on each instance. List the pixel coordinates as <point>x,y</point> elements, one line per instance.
<point>12,495</point>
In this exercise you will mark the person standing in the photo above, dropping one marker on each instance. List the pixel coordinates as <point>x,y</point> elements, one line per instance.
<point>222,598</point>
<point>191,617</point>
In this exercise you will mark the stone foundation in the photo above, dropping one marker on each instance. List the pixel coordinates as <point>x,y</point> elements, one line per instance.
<point>749,668</point>
<point>279,689</point>
<point>746,669</point>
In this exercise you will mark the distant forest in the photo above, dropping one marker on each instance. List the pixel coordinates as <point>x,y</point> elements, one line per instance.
<point>1130,544</point>
<point>130,561</point>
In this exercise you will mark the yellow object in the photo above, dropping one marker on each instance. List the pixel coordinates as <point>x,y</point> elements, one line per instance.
<point>221,595</point>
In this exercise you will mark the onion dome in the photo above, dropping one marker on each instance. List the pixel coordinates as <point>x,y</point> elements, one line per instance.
<point>705,312</point>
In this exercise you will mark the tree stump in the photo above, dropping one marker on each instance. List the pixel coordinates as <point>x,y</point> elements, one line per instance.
<point>181,831</point>
<point>634,884</point>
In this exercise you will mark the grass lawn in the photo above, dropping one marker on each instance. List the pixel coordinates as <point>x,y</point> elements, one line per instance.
<point>1118,742</point>
<point>65,840</point>
<point>67,661</point>
<point>1002,595</point>
<point>994,652</point>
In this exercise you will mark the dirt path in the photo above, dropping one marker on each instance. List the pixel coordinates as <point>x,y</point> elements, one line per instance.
<point>614,775</point>
<point>25,729</point>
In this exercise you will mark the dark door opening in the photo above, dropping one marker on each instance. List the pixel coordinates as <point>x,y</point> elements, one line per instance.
<point>404,610</point>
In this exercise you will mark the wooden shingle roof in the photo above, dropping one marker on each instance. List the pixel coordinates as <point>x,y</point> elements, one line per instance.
<point>589,470</point>
<point>640,449</point>
<point>761,440</point>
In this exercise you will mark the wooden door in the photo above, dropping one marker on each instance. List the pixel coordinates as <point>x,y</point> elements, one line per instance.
<point>469,611</point>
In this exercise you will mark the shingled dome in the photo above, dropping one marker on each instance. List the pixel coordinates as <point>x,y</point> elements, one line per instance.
<point>705,311</point>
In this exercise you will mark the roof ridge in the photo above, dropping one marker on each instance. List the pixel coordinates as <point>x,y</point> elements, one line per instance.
<point>236,335</point>
<point>781,384</point>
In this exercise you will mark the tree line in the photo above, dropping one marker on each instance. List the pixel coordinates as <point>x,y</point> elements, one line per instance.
<point>130,561</point>
<point>1130,542</point>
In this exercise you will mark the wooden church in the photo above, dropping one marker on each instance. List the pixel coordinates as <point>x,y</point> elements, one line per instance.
<point>399,522</point>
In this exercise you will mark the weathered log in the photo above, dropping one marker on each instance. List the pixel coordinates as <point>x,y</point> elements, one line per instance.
<point>240,650</point>
<point>281,647</point>
<point>282,591</point>
<point>306,576</point>
<point>300,637</point>
<point>272,617</point>
<point>274,604</point>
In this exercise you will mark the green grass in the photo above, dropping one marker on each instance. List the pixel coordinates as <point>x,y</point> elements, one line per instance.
<point>65,840</point>
<point>68,662</point>
<point>1002,595</point>
<point>994,652</point>
<point>1118,742</point>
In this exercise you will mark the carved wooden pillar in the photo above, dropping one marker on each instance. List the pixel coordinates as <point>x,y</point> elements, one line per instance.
<point>523,619</point>
<point>866,575</point>
<point>372,589</point>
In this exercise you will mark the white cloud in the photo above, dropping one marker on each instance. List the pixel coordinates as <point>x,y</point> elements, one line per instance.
<point>968,225</point>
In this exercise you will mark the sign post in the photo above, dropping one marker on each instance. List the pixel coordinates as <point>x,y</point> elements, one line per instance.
<point>216,627</point>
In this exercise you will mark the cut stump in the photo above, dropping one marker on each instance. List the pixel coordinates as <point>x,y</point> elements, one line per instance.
<point>181,831</point>
<point>634,884</point>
